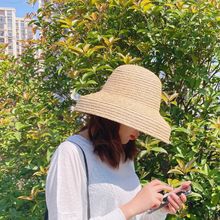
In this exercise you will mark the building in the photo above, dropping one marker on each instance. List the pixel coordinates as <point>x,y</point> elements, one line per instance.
<point>23,32</point>
<point>13,31</point>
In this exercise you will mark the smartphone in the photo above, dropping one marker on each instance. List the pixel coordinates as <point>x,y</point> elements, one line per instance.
<point>165,200</point>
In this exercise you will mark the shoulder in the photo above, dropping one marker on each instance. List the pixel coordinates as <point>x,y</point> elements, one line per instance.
<point>68,147</point>
<point>67,152</point>
<point>66,163</point>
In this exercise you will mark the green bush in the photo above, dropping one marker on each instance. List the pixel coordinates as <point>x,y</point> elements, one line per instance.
<point>80,43</point>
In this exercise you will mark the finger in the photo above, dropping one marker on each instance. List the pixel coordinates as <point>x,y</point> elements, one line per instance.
<point>155,182</point>
<point>159,197</point>
<point>183,197</point>
<point>162,187</point>
<point>175,201</point>
<point>170,208</point>
<point>185,185</point>
<point>166,209</point>
<point>156,203</point>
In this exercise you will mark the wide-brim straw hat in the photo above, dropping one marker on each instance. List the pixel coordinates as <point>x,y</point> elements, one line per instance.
<point>130,96</point>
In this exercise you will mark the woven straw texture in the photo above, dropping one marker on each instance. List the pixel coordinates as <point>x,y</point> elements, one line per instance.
<point>131,96</point>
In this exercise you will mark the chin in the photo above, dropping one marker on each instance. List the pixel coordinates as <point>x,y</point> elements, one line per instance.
<point>124,142</point>
<point>129,141</point>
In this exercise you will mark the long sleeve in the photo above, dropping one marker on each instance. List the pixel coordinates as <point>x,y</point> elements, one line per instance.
<point>66,187</point>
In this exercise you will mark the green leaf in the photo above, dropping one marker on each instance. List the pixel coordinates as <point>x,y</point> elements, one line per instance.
<point>184,130</point>
<point>215,199</point>
<point>189,165</point>
<point>142,153</point>
<point>197,186</point>
<point>18,136</point>
<point>196,171</point>
<point>159,149</point>
<point>206,169</point>
<point>180,163</point>
<point>91,82</point>
<point>87,75</point>
<point>59,70</point>
<point>19,126</point>
<point>195,195</point>
<point>176,171</point>
<point>48,155</point>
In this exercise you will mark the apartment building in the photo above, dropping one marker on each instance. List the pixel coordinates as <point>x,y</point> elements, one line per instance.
<point>14,31</point>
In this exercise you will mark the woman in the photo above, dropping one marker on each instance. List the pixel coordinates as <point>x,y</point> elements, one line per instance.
<point>127,104</point>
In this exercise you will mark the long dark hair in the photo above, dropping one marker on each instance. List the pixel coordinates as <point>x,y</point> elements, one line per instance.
<point>104,135</point>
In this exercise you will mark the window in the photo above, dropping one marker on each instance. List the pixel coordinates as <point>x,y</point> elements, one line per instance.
<point>9,21</point>
<point>10,47</point>
<point>9,13</point>
<point>23,34</point>
<point>2,12</point>
<point>10,33</point>
<point>1,26</point>
<point>2,20</point>
<point>9,25</point>
<point>2,40</point>
<point>22,25</point>
<point>2,33</point>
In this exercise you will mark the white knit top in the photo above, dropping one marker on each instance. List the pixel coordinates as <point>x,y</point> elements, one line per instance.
<point>66,190</point>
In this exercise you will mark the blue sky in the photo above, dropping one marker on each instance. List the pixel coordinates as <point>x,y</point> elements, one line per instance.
<point>22,7</point>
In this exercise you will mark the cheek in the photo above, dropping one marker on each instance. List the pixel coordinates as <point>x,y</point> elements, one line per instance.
<point>125,133</point>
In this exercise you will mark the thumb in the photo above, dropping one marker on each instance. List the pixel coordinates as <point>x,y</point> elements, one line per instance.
<point>184,186</point>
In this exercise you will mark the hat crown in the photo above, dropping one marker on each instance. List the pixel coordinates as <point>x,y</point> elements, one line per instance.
<point>135,83</point>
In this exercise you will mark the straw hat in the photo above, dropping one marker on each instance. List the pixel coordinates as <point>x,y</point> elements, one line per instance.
<point>131,96</point>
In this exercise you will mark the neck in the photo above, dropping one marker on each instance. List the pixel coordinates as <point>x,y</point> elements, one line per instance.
<point>84,134</point>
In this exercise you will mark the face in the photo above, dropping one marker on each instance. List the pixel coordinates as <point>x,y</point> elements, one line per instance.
<point>127,133</point>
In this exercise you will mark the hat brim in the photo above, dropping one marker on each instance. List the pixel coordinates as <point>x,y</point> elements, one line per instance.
<point>125,111</point>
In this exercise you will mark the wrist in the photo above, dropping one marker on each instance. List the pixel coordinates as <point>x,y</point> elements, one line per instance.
<point>128,210</point>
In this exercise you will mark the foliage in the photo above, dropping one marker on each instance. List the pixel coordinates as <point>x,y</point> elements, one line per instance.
<point>32,122</point>
<point>80,43</point>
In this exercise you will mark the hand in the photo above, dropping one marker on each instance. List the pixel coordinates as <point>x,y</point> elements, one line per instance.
<point>148,197</point>
<point>176,202</point>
